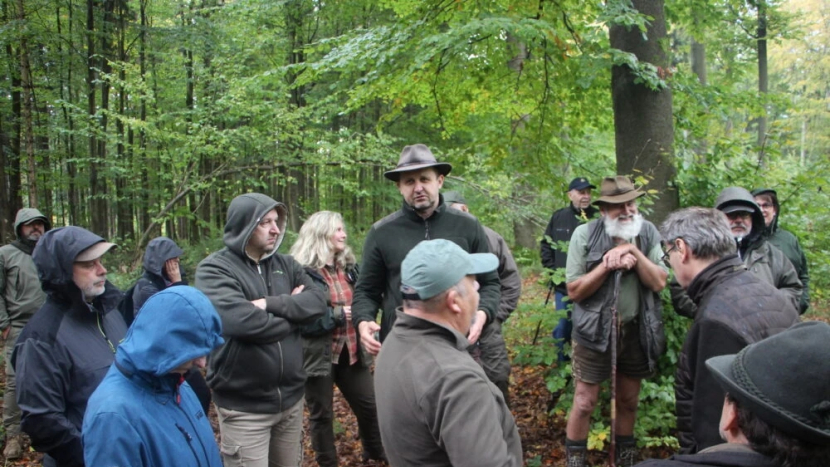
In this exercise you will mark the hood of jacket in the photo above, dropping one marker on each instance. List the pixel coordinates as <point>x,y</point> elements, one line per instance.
<point>244,213</point>
<point>29,214</point>
<point>56,252</point>
<point>158,251</point>
<point>737,195</point>
<point>175,326</point>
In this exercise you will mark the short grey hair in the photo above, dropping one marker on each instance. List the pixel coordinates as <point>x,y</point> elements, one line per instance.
<point>705,230</point>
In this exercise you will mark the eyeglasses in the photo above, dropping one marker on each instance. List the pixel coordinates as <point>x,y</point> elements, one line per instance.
<point>739,215</point>
<point>765,206</point>
<point>667,253</point>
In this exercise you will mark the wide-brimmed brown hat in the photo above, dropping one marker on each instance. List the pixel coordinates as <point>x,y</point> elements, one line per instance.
<point>416,157</point>
<point>617,190</point>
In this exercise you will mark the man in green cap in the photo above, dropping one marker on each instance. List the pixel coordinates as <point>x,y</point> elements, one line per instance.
<point>435,404</point>
<point>20,297</point>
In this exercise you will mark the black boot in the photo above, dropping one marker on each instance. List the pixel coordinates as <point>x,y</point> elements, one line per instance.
<point>577,452</point>
<point>627,452</point>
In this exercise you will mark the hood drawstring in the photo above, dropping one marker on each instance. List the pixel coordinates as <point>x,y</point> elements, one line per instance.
<point>178,387</point>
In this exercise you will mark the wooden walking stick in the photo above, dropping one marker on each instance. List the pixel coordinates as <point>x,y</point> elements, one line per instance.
<point>539,324</point>
<point>615,331</point>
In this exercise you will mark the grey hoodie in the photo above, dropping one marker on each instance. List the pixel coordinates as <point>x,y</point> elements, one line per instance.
<point>259,369</point>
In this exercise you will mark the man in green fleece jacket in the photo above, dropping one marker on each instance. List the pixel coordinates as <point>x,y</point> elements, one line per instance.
<point>20,297</point>
<point>262,297</point>
<point>435,404</point>
<point>423,216</point>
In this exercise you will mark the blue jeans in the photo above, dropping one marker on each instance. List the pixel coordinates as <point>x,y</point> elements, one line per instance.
<point>562,331</point>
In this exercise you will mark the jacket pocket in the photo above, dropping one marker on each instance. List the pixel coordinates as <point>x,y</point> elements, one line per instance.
<point>587,318</point>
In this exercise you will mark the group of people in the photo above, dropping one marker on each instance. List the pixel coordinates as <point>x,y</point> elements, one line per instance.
<point>740,288</point>
<point>106,378</point>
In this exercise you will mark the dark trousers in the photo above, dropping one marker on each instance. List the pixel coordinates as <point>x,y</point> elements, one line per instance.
<point>355,383</point>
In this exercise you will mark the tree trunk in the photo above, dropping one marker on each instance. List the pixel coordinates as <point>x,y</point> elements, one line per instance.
<point>763,79</point>
<point>644,131</point>
<point>28,106</point>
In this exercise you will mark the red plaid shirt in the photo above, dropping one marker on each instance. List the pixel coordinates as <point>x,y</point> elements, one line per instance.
<point>341,295</point>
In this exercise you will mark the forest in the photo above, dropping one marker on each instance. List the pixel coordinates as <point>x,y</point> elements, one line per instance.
<point>140,118</point>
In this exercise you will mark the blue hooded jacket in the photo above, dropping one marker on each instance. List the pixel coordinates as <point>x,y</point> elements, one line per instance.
<point>142,414</point>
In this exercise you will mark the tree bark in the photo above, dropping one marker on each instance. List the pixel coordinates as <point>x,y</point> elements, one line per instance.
<point>763,79</point>
<point>644,131</point>
<point>28,106</point>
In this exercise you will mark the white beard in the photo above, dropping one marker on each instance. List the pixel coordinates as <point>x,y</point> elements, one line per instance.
<point>627,231</point>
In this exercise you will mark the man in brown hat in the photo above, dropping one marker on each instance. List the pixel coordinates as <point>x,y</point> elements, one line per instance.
<point>423,216</point>
<point>621,240</point>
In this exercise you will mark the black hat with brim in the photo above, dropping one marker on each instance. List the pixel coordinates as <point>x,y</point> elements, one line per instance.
<point>784,380</point>
<point>416,157</point>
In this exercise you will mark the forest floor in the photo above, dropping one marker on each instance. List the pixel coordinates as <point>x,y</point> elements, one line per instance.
<point>542,434</point>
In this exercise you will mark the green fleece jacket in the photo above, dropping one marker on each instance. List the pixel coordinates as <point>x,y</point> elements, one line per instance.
<point>388,242</point>
<point>259,368</point>
<point>20,292</point>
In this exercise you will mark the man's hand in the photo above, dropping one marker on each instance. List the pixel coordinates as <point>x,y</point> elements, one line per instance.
<point>367,330</point>
<point>7,331</point>
<point>171,267</point>
<point>297,289</point>
<point>478,324</point>
<point>620,257</point>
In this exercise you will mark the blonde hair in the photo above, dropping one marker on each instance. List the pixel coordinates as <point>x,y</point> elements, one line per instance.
<point>313,246</point>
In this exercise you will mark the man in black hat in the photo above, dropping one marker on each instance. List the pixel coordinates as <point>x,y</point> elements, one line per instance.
<point>735,309</point>
<point>758,255</point>
<point>767,200</point>
<point>559,229</point>
<point>423,216</point>
<point>776,412</point>
<point>620,241</point>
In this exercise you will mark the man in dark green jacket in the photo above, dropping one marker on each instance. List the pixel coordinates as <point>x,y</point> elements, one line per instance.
<point>262,297</point>
<point>423,216</point>
<point>20,297</point>
<point>767,200</point>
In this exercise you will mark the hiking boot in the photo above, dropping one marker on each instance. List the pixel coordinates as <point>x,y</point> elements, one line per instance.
<point>577,455</point>
<point>627,453</point>
<point>13,448</point>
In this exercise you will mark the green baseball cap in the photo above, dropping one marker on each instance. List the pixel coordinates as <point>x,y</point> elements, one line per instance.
<point>434,266</point>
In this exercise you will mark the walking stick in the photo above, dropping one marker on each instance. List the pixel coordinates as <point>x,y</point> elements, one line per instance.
<point>539,324</point>
<point>615,325</point>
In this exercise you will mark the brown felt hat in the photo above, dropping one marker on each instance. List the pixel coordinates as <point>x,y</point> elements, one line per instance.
<point>617,190</point>
<point>416,157</point>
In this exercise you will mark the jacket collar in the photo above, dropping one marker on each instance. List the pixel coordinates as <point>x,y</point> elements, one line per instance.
<point>409,325</point>
<point>713,275</point>
<point>410,212</point>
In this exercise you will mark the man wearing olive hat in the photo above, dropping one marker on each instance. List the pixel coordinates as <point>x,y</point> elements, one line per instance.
<point>423,216</point>
<point>621,240</point>
<point>435,404</point>
<point>776,412</point>
<point>69,344</point>
<point>20,297</point>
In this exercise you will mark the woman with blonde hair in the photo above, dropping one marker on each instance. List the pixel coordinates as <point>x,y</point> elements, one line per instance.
<point>331,347</point>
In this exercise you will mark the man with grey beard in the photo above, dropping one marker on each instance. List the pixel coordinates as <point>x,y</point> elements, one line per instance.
<point>621,240</point>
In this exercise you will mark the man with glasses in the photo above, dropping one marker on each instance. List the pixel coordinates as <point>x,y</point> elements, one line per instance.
<point>768,263</point>
<point>767,200</point>
<point>734,309</point>
<point>621,241</point>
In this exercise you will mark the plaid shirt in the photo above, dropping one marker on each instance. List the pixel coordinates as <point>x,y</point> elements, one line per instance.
<point>341,295</point>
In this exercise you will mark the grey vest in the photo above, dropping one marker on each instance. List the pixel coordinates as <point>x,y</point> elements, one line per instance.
<point>592,316</point>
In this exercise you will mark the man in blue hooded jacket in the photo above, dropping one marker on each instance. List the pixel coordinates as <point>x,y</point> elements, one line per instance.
<point>143,412</point>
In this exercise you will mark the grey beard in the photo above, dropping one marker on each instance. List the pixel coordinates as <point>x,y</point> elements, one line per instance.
<point>624,231</point>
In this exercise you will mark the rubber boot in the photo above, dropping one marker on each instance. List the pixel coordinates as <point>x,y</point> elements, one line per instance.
<point>13,450</point>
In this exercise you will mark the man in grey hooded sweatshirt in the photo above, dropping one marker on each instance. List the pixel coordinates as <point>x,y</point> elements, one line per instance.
<point>20,297</point>
<point>262,297</point>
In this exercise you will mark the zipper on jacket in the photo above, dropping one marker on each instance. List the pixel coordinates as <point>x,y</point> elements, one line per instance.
<point>279,381</point>
<point>195,430</point>
<point>426,225</point>
<point>189,440</point>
